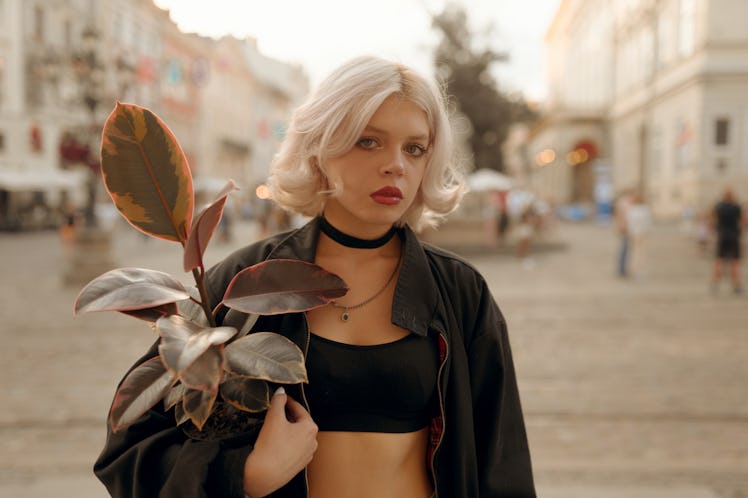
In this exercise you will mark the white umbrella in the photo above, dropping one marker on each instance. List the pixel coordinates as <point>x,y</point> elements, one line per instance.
<point>486,180</point>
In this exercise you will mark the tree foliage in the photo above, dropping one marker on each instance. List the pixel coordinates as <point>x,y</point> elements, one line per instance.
<point>466,70</point>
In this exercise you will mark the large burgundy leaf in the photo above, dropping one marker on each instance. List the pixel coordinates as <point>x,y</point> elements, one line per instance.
<point>282,286</point>
<point>139,391</point>
<point>146,173</point>
<point>268,356</point>
<point>243,393</point>
<point>125,289</point>
<point>202,230</point>
<point>198,404</point>
<point>183,341</point>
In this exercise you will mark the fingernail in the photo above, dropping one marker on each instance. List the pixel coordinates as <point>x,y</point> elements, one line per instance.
<point>280,390</point>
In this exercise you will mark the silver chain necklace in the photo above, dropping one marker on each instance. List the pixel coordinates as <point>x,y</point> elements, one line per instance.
<point>346,315</point>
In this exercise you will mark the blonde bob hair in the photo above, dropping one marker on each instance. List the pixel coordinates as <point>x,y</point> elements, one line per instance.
<point>330,122</point>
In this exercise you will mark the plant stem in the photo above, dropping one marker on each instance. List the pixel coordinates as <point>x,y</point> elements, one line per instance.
<point>200,281</point>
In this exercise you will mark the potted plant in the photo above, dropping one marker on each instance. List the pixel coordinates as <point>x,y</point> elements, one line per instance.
<point>207,374</point>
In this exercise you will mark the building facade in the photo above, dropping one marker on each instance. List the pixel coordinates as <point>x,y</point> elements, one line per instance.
<point>647,95</point>
<point>65,63</point>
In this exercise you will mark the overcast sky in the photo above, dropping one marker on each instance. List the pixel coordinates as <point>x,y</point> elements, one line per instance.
<point>321,34</point>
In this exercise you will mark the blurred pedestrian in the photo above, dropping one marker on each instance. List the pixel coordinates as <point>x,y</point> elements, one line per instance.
<point>620,211</point>
<point>727,222</point>
<point>503,216</point>
<point>638,225</point>
<point>67,230</point>
<point>525,233</point>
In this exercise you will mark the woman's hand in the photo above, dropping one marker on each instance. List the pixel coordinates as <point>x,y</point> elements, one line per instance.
<point>285,445</point>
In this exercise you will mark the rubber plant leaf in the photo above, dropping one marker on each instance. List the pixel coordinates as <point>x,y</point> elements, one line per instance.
<point>153,314</point>
<point>142,388</point>
<point>126,289</point>
<point>184,341</point>
<point>179,414</point>
<point>204,227</point>
<point>268,356</point>
<point>243,393</point>
<point>198,404</point>
<point>206,372</point>
<point>282,286</point>
<point>146,173</point>
<point>174,396</point>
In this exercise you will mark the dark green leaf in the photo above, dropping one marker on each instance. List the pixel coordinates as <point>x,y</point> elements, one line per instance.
<point>146,173</point>
<point>268,356</point>
<point>140,390</point>
<point>126,289</point>
<point>282,286</point>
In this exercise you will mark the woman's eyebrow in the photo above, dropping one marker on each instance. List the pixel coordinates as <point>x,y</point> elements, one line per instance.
<point>374,129</point>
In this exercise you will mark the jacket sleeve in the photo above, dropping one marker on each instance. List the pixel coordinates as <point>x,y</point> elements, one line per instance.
<point>504,466</point>
<point>153,457</point>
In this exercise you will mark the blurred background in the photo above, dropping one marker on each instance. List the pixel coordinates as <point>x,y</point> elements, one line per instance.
<point>598,137</point>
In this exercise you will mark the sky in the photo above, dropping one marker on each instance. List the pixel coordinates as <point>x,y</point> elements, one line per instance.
<point>322,34</point>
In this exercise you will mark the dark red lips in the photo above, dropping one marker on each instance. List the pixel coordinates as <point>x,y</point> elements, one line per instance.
<point>388,195</point>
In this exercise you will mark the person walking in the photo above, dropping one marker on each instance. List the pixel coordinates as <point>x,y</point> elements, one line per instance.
<point>620,219</point>
<point>727,222</point>
<point>411,384</point>
<point>638,225</point>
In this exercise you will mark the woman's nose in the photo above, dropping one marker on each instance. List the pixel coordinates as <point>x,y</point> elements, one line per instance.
<point>395,164</point>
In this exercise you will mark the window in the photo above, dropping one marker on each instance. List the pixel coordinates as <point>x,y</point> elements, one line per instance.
<point>721,131</point>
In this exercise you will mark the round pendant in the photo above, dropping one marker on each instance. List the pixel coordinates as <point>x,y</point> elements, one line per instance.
<point>345,316</point>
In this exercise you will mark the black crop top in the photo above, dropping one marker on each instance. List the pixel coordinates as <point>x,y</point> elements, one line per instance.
<point>382,388</point>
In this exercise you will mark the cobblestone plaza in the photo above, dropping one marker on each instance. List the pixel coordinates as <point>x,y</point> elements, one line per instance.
<point>631,388</point>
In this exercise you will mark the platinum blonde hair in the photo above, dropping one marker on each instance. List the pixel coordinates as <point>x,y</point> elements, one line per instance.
<point>330,122</point>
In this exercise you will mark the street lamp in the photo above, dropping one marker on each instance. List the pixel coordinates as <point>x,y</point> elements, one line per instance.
<point>92,252</point>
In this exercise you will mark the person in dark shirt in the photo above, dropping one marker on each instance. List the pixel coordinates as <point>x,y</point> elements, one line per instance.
<point>727,220</point>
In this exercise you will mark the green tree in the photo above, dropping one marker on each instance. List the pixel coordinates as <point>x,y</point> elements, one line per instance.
<point>466,71</point>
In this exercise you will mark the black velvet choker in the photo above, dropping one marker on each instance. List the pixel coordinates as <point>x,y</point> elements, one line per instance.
<point>351,241</point>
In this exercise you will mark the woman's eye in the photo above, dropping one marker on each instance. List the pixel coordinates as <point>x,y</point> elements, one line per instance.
<point>416,150</point>
<point>367,143</point>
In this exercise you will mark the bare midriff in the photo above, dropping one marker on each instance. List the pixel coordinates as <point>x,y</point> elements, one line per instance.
<point>370,465</point>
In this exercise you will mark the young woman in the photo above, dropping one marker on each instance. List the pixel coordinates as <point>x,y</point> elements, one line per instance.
<point>412,391</point>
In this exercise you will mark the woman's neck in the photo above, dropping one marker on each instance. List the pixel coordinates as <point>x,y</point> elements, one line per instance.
<point>352,241</point>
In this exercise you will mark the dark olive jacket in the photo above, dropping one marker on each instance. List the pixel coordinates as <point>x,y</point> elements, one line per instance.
<point>478,445</point>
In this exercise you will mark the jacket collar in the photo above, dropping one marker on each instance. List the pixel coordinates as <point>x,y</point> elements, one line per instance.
<point>416,297</point>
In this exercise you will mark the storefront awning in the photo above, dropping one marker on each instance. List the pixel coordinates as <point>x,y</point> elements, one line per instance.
<point>41,180</point>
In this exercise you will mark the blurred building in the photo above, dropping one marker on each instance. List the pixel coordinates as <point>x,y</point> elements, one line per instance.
<point>65,63</point>
<point>646,94</point>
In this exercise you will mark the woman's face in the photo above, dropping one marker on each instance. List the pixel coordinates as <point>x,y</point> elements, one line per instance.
<point>381,174</point>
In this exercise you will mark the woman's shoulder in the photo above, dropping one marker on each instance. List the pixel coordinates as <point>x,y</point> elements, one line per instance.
<point>449,265</point>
